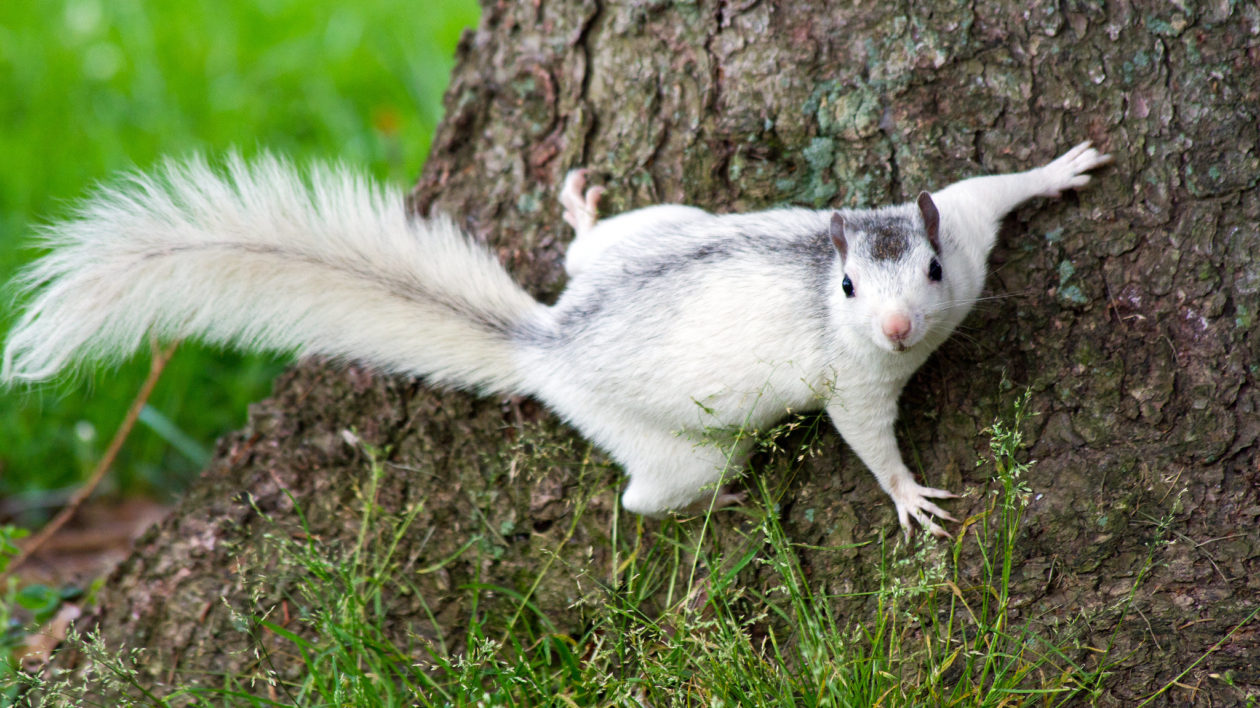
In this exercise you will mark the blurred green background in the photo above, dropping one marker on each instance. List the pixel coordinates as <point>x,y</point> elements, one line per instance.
<point>91,87</point>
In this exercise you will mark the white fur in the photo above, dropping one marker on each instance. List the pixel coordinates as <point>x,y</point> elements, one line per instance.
<point>263,257</point>
<point>676,325</point>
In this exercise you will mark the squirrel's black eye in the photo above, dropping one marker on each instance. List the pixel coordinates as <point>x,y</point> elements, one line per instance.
<point>848,286</point>
<point>934,271</point>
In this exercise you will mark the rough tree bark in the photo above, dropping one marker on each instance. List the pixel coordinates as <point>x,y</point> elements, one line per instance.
<point>1130,311</point>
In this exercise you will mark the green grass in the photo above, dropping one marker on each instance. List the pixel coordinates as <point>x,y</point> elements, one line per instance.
<point>931,634</point>
<point>92,87</point>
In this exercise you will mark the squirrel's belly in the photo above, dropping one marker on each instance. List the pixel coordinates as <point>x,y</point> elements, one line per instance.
<point>714,388</point>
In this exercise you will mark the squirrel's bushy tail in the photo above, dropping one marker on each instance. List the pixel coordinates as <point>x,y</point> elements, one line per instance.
<point>263,256</point>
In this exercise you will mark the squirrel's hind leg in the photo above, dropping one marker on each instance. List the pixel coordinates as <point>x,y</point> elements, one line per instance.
<point>681,476</point>
<point>581,205</point>
<point>581,210</point>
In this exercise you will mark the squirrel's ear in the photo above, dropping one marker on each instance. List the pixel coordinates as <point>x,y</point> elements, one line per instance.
<point>931,220</point>
<point>837,235</point>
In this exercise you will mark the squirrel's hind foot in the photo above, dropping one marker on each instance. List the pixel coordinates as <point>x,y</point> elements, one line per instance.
<point>581,205</point>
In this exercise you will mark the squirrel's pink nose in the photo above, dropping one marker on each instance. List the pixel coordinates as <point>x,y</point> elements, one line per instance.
<point>896,327</point>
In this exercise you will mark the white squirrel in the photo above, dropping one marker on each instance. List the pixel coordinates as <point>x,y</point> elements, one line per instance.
<point>675,321</point>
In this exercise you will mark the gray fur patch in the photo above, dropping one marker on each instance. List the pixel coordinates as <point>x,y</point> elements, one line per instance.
<point>649,286</point>
<point>886,234</point>
<point>888,243</point>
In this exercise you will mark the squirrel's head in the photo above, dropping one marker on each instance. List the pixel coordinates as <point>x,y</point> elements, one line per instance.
<point>891,281</point>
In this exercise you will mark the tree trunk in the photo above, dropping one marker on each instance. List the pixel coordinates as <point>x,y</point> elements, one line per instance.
<point>1129,311</point>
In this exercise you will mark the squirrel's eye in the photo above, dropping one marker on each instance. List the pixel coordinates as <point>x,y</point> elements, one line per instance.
<point>934,271</point>
<point>848,286</point>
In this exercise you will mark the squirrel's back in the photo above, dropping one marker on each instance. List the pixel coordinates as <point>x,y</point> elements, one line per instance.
<point>680,316</point>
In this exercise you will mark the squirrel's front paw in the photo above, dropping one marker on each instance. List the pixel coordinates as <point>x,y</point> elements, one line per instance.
<point>911,499</point>
<point>1068,171</point>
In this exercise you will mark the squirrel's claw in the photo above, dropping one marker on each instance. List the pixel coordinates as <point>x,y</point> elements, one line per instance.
<point>912,501</point>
